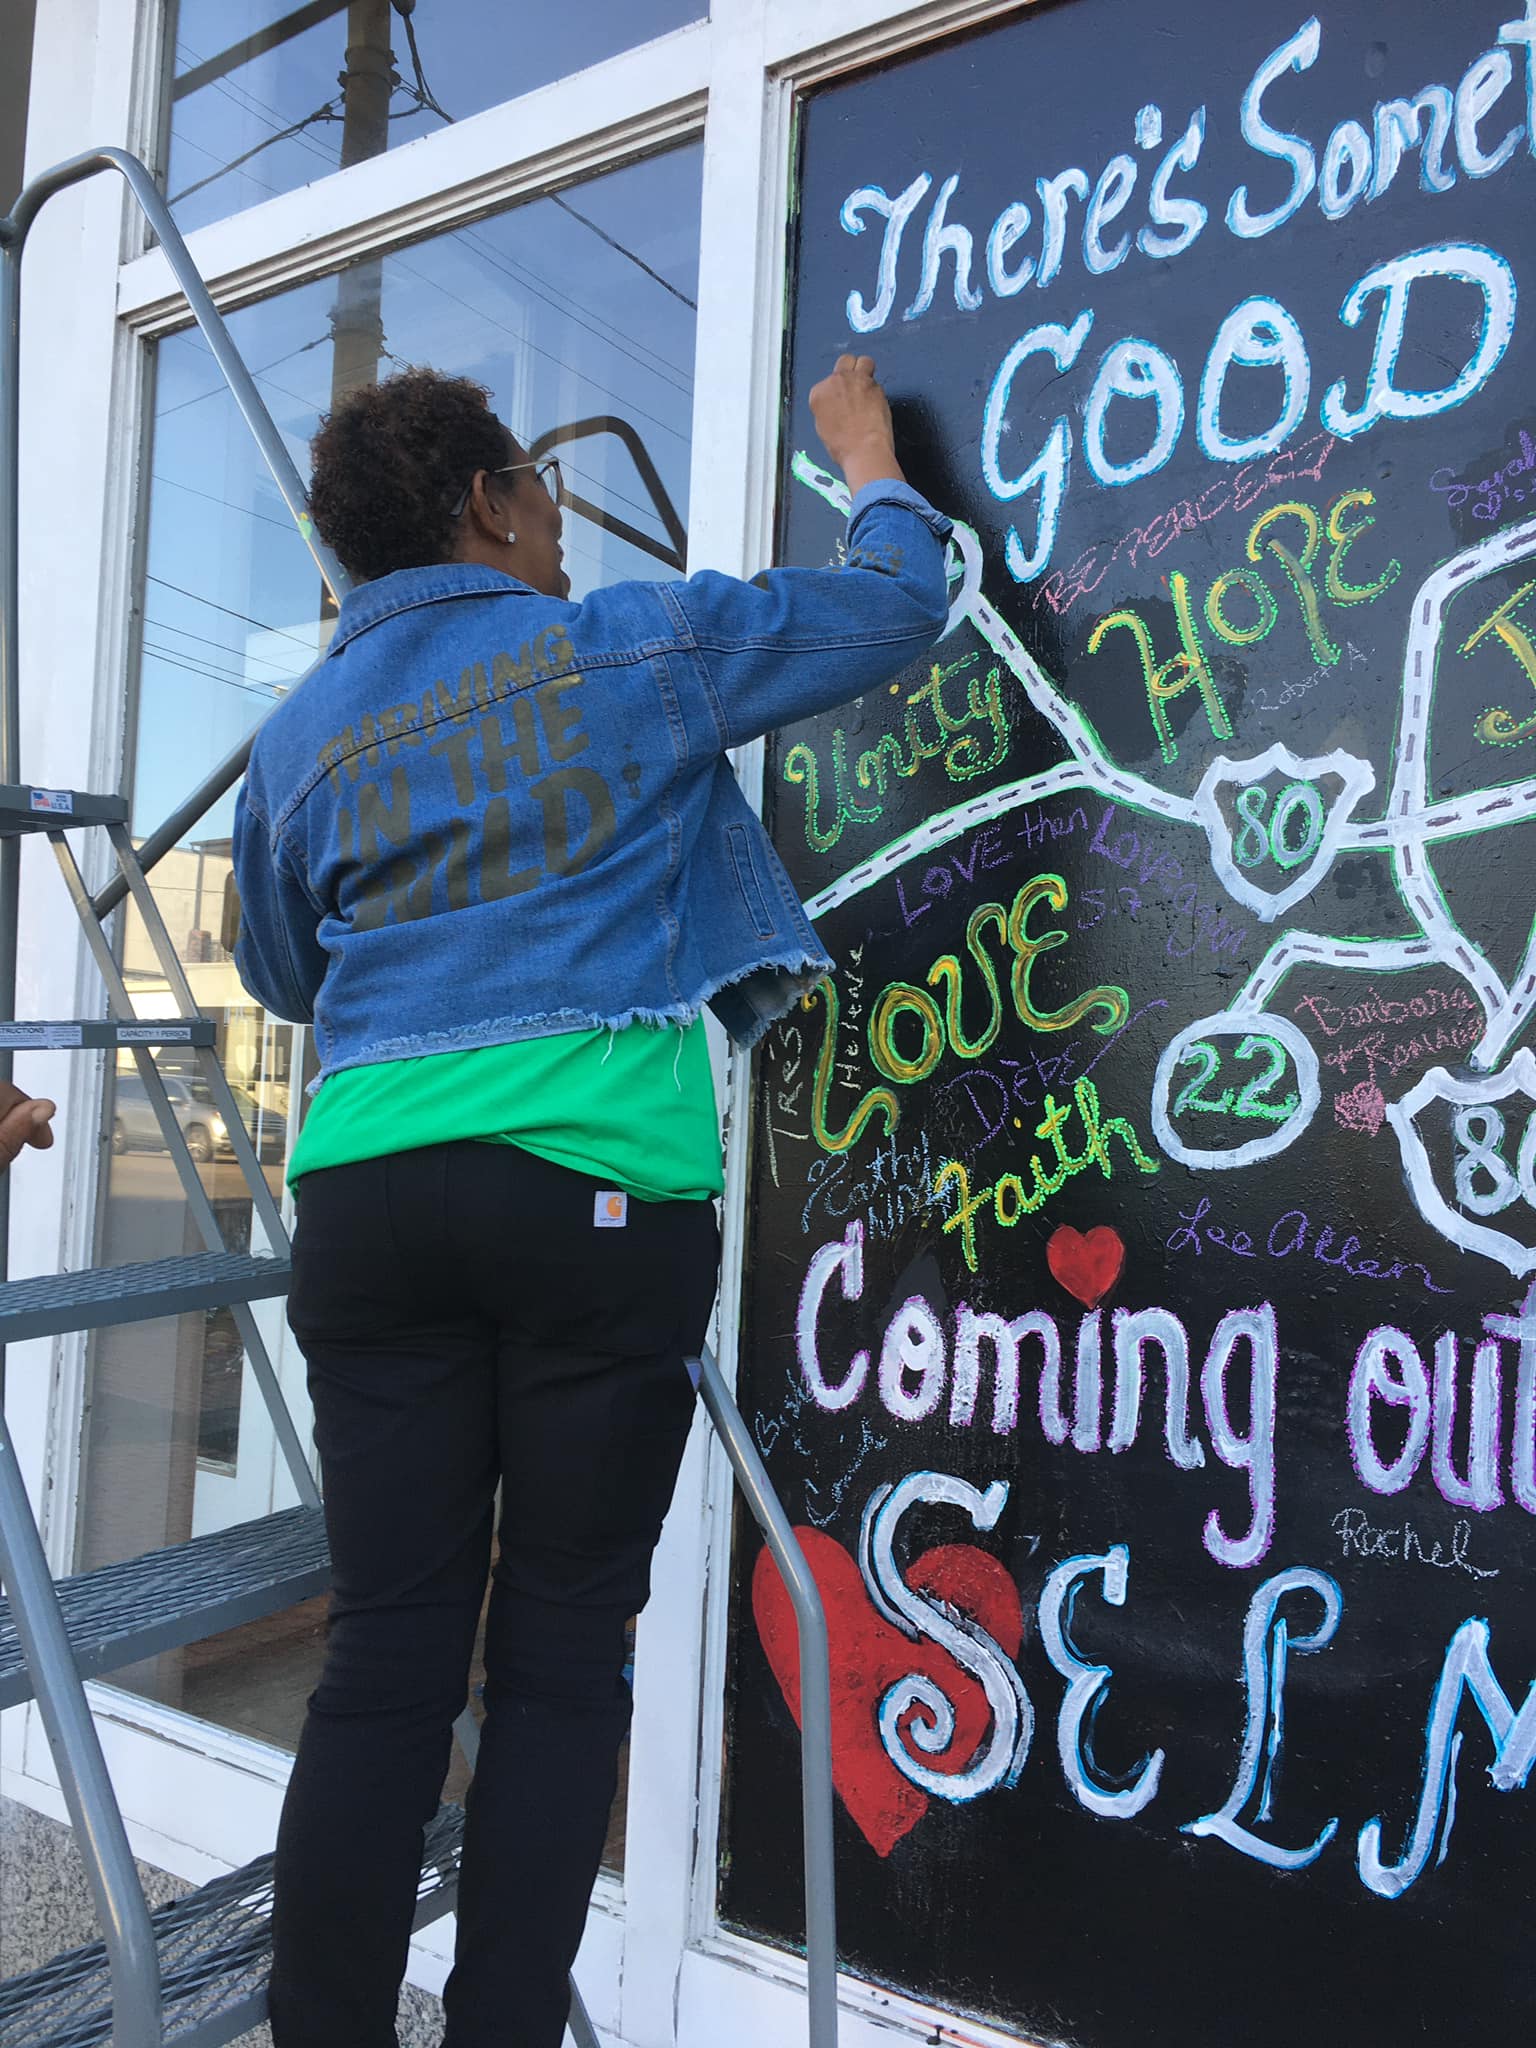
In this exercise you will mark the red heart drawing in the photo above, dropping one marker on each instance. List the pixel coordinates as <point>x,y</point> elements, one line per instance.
<point>1086,1263</point>
<point>869,1656</point>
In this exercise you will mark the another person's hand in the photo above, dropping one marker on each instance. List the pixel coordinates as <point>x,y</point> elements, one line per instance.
<point>24,1120</point>
<point>853,419</point>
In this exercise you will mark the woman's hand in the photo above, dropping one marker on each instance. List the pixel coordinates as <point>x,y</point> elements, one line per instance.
<point>853,419</point>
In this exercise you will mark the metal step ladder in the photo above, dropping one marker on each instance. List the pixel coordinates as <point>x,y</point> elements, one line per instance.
<point>195,1971</point>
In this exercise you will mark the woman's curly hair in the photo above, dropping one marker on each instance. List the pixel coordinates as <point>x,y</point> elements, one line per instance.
<point>390,463</point>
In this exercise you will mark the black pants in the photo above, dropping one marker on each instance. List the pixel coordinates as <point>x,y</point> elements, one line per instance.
<point>465,1324</point>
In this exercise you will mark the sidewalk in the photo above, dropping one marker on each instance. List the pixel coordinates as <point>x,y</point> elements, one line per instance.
<point>45,1909</point>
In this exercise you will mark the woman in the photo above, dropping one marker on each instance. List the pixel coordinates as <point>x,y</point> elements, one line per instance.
<point>494,850</point>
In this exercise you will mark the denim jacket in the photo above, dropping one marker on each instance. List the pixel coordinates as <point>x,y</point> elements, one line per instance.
<point>488,815</point>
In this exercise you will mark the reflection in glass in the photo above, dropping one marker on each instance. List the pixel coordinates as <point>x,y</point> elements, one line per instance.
<point>570,309</point>
<point>267,95</point>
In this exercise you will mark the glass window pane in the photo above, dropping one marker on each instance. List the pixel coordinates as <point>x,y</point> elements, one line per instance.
<point>573,310</point>
<point>267,95</point>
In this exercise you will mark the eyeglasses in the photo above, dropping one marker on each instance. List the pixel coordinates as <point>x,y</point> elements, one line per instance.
<point>547,472</point>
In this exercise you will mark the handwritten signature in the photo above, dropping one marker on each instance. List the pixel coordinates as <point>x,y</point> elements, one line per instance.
<point>1490,495</point>
<point>1288,1234</point>
<point>1401,1543</point>
<point>1301,686</point>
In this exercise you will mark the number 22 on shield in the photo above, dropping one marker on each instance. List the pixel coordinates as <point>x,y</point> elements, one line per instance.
<point>1251,1101</point>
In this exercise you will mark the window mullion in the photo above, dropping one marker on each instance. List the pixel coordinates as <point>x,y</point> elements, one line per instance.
<point>629,106</point>
<point>731,519</point>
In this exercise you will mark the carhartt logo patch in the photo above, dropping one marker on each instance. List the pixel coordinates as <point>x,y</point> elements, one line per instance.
<point>610,1210</point>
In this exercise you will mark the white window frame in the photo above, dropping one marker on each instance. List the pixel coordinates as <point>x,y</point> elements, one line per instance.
<point>656,1968</point>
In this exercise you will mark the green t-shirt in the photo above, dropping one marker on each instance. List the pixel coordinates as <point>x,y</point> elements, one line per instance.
<point>635,1109</point>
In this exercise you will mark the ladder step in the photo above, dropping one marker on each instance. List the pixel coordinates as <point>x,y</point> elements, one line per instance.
<point>133,1294</point>
<point>215,1952</point>
<point>121,1612</point>
<point>101,1034</point>
<point>25,809</point>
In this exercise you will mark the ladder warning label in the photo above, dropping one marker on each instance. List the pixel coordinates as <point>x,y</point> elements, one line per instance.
<point>44,1035</point>
<point>144,1034</point>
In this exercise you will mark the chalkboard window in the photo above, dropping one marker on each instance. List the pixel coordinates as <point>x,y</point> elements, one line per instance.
<point>1139,1318</point>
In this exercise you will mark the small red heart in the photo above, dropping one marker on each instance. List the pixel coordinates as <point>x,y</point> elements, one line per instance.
<point>1086,1263</point>
<point>869,1656</point>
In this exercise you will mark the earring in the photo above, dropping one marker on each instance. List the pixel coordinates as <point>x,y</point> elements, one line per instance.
<point>511,539</point>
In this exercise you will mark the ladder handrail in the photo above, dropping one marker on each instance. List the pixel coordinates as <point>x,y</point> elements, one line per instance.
<point>94,1814</point>
<point>757,1491</point>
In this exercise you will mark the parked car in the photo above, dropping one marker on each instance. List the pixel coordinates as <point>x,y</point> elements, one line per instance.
<point>267,1128</point>
<point>134,1127</point>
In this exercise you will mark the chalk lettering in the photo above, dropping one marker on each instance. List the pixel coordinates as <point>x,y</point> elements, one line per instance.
<point>1268,1641</point>
<point>1009,1197</point>
<point>1003,1751</point>
<point>1088,1685</point>
<point>1402,1544</point>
